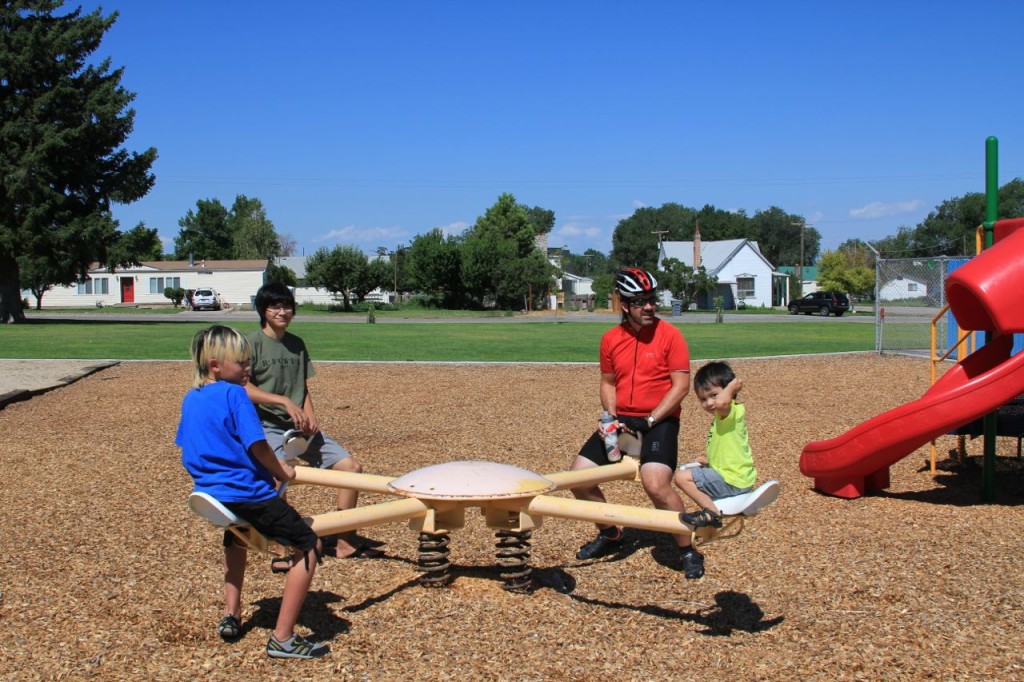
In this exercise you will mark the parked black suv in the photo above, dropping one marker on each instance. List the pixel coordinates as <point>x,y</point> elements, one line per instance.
<point>821,302</point>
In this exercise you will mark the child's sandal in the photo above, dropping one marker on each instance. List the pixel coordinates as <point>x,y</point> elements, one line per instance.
<point>702,518</point>
<point>281,564</point>
<point>229,627</point>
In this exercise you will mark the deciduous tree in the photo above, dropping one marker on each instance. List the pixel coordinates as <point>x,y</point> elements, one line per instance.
<point>836,272</point>
<point>635,239</point>
<point>500,259</point>
<point>434,268</point>
<point>685,283</point>
<point>341,270</point>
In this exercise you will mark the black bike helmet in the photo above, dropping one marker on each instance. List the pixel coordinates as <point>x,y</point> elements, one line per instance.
<point>632,282</point>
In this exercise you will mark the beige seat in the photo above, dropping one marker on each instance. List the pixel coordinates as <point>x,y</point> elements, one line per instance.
<point>212,510</point>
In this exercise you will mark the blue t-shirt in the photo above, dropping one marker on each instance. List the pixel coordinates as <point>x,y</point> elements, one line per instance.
<point>218,425</point>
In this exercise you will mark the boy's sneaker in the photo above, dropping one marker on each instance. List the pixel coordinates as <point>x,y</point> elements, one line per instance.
<point>296,647</point>
<point>599,546</point>
<point>693,564</point>
<point>702,518</point>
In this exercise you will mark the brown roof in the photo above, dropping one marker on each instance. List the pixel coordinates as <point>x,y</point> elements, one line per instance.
<point>197,266</point>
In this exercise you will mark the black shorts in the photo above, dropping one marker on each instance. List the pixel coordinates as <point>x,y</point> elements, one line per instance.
<point>660,442</point>
<point>275,520</point>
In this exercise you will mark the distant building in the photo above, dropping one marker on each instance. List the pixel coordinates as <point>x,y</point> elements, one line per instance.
<point>902,288</point>
<point>743,273</point>
<point>577,291</point>
<point>808,273</point>
<point>234,280</point>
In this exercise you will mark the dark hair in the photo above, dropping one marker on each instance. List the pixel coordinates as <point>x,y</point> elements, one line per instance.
<point>717,374</point>
<point>272,293</point>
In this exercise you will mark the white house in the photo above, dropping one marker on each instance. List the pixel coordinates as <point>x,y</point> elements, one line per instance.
<point>902,288</point>
<point>235,280</point>
<point>743,273</point>
<point>576,289</point>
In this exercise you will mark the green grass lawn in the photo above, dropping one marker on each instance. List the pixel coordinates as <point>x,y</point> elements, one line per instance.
<point>480,342</point>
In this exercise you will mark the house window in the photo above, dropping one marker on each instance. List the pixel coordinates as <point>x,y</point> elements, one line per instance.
<point>158,284</point>
<point>911,286</point>
<point>744,287</point>
<point>94,286</point>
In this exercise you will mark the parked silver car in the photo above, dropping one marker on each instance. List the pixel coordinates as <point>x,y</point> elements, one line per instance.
<point>205,298</point>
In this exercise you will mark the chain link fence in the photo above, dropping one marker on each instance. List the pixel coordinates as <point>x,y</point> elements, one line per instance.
<point>910,292</point>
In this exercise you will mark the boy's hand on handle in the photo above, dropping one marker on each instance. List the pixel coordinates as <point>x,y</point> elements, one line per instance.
<point>289,472</point>
<point>310,425</point>
<point>263,454</point>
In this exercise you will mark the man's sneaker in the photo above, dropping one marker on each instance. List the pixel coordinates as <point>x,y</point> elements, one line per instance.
<point>693,564</point>
<point>702,518</point>
<point>296,647</point>
<point>599,546</point>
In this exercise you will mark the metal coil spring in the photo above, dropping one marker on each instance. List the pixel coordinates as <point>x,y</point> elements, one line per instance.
<point>433,560</point>
<point>514,559</point>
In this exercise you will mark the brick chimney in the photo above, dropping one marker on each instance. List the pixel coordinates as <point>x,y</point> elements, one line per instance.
<point>696,247</point>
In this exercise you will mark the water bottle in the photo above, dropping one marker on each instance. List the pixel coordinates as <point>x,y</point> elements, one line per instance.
<point>611,437</point>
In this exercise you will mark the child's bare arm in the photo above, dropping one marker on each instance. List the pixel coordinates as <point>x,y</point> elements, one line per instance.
<point>311,425</point>
<point>734,387</point>
<point>723,402</point>
<point>282,471</point>
<point>260,397</point>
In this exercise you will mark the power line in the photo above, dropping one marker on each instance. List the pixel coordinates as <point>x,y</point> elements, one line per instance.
<point>418,183</point>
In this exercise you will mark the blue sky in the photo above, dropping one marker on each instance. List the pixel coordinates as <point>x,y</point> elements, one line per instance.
<point>367,123</point>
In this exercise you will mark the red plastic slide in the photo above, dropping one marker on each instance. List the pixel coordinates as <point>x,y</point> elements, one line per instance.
<point>983,294</point>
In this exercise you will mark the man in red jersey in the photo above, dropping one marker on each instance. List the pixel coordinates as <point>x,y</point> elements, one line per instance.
<point>645,374</point>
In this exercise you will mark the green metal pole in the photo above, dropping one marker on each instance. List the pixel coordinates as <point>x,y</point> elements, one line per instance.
<point>988,491</point>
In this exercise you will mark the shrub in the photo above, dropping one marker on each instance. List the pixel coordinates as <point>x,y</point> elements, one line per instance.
<point>175,294</point>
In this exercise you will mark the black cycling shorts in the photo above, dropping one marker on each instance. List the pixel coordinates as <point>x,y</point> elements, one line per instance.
<point>660,442</point>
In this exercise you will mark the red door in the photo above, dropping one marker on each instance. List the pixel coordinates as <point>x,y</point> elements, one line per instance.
<point>127,290</point>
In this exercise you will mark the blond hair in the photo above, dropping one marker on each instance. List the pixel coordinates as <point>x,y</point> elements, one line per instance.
<point>216,343</point>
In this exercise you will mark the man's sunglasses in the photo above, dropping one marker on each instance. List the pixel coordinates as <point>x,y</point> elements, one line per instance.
<point>641,302</point>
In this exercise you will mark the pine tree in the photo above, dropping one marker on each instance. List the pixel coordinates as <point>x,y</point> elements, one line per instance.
<point>63,124</point>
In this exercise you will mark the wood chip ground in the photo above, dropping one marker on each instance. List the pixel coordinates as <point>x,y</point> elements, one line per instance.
<point>104,573</point>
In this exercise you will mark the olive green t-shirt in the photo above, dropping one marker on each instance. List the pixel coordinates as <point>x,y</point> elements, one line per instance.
<point>282,368</point>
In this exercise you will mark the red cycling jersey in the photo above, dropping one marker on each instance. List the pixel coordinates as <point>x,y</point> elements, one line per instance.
<point>641,362</point>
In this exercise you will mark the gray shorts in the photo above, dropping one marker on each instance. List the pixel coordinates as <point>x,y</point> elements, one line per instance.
<point>711,483</point>
<point>323,451</point>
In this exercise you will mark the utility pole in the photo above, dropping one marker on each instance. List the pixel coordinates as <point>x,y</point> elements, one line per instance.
<point>394,257</point>
<point>659,233</point>
<point>800,266</point>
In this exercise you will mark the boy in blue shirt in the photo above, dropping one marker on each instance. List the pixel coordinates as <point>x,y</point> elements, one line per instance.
<point>224,449</point>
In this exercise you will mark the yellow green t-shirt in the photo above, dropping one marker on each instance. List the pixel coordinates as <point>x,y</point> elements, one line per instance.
<point>728,450</point>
